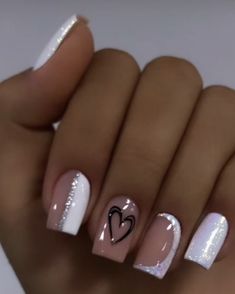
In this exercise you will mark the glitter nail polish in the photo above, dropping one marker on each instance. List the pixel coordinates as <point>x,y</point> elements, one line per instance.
<point>159,245</point>
<point>57,39</point>
<point>208,240</point>
<point>69,203</point>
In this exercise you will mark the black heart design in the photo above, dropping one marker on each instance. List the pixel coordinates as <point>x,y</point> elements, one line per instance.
<point>129,218</point>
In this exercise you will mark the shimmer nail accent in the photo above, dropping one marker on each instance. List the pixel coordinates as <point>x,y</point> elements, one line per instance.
<point>159,246</point>
<point>57,40</point>
<point>208,240</point>
<point>70,200</point>
<point>116,228</point>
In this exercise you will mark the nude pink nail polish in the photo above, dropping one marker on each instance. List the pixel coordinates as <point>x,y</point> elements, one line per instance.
<point>116,228</point>
<point>69,202</point>
<point>159,245</point>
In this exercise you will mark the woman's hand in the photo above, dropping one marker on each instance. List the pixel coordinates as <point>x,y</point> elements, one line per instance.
<point>130,145</point>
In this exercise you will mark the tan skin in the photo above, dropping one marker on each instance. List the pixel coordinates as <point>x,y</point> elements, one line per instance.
<point>30,153</point>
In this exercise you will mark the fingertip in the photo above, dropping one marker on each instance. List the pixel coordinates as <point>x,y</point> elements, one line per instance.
<point>38,97</point>
<point>76,27</point>
<point>64,67</point>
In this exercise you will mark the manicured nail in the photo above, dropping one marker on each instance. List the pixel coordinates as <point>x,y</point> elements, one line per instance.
<point>57,40</point>
<point>208,240</point>
<point>116,228</point>
<point>159,245</point>
<point>69,202</point>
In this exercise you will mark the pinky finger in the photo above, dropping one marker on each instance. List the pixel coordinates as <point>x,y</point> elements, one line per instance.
<point>213,239</point>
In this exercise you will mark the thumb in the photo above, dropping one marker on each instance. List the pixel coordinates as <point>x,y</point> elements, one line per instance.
<point>29,103</point>
<point>38,96</point>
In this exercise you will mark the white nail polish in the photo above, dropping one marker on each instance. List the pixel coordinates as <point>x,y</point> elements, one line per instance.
<point>76,205</point>
<point>208,240</point>
<point>55,42</point>
<point>69,202</point>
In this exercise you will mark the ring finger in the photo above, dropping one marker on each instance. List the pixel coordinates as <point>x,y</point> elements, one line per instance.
<point>207,145</point>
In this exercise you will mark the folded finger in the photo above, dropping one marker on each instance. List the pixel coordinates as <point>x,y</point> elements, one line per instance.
<point>29,103</point>
<point>85,139</point>
<point>38,96</point>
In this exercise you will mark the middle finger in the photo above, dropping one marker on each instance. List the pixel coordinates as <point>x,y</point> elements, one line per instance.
<point>162,105</point>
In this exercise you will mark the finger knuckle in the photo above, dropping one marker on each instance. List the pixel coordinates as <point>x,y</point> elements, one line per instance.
<point>218,96</point>
<point>176,70</point>
<point>118,56</point>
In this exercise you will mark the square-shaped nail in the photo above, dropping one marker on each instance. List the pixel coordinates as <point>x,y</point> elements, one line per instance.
<point>208,240</point>
<point>116,228</point>
<point>69,203</point>
<point>159,245</point>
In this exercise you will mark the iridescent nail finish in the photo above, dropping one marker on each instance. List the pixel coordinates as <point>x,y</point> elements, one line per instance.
<point>161,267</point>
<point>208,240</point>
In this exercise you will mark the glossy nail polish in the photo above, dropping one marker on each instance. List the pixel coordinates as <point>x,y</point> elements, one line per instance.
<point>159,245</point>
<point>57,40</point>
<point>69,203</point>
<point>116,228</point>
<point>208,240</point>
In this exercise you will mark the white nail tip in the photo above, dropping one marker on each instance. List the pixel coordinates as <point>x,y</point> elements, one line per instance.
<point>208,240</point>
<point>55,42</point>
<point>159,270</point>
<point>76,205</point>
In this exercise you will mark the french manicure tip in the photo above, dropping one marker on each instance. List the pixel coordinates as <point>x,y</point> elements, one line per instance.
<point>159,246</point>
<point>57,39</point>
<point>151,270</point>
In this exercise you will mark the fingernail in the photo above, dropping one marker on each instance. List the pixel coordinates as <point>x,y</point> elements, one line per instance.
<point>69,203</point>
<point>116,228</point>
<point>159,246</point>
<point>208,240</point>
<point>57,40</point>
